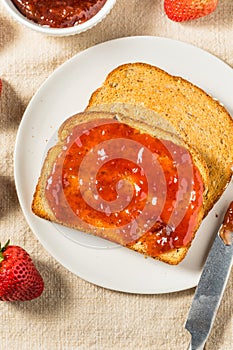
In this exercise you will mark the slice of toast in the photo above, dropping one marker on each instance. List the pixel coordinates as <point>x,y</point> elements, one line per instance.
<point>200,120</point>
<point>140,113</point>
<point>42,208</point>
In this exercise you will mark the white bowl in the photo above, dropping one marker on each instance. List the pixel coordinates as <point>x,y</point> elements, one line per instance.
<point>79,28</point>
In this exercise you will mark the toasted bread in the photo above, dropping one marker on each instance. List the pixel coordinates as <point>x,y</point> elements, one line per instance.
<point>200,120</point>
<point>42,208</point>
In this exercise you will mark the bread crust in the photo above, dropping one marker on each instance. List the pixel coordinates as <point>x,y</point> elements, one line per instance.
<point>200,120</point>
<point>40,206</point>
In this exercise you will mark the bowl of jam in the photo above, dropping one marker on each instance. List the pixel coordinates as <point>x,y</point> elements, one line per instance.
<point>59,17</point>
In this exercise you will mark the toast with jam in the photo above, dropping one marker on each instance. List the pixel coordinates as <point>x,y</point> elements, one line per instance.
<point>200,120</point>
<point>126,179</point>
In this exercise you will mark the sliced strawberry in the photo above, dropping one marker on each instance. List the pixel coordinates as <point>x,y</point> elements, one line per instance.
<point>185,10</point>
<point>19,279</point>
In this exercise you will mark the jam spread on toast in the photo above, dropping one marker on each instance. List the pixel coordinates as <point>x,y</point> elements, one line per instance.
<point>59,13</point>
<point>134,187</point>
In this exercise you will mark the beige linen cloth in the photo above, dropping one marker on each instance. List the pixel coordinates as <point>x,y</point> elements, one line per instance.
<point>72,313</point>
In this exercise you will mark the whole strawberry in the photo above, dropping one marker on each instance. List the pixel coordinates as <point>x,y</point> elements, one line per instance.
<point>19,279</point>
<point>185,10</point>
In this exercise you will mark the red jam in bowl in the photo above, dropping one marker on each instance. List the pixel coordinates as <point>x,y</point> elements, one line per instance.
<point>59,13</point>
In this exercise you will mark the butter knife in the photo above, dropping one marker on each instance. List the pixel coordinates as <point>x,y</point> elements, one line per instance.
<point>211,285</point>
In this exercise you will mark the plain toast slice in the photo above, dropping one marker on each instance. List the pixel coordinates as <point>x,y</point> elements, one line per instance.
<point>200,120</point>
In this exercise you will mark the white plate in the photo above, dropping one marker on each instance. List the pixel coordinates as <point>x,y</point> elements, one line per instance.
<point>66,92</point>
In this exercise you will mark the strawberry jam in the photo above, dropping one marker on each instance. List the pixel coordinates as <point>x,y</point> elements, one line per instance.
<point>124,185</point>
<point>59,13</point>
<point>226,231</point>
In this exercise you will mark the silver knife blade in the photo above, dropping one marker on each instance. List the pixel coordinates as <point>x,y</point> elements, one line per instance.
<point>211,285</point>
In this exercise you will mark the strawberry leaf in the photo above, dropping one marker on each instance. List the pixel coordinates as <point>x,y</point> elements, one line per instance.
<point>4,247</point>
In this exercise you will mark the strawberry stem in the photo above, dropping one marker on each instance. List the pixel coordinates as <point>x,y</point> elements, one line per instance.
<point>2,249</point>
